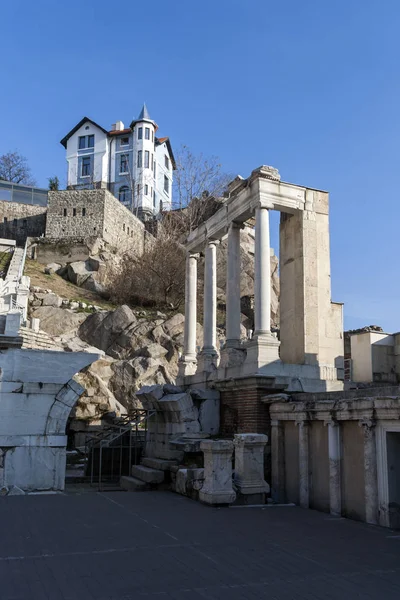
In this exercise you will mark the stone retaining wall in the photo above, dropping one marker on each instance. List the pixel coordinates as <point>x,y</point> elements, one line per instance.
<point>19,221</point>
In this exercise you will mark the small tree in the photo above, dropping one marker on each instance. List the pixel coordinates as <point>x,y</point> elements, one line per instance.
<point>157,278</point>
<point>14,167</point>
<point>54,183</point>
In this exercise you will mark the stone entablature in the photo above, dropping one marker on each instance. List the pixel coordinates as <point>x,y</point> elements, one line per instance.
<point>94,213</point>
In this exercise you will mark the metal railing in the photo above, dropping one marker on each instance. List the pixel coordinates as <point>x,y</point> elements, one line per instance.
<point>111,451</point>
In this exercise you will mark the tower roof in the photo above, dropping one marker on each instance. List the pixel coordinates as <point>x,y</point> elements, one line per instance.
<point>143,116</point>
<point>144,113</point>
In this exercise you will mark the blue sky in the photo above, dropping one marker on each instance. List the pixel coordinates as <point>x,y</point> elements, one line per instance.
<point>309,87</point>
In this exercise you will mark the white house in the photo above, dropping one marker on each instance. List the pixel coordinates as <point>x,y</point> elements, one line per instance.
<point>132,162</point>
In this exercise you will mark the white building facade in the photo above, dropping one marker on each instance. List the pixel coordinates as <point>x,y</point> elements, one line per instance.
<point>131,162</point>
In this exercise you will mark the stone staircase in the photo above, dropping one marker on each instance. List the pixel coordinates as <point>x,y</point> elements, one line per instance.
<point>152,473</point>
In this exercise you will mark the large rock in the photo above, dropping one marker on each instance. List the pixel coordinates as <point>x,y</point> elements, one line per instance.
<point>175,325</point>
<point>56,321</point>
<point>93,285</point>
<point>78,272</point>
<point>103,329</point>
<point>52,300</point>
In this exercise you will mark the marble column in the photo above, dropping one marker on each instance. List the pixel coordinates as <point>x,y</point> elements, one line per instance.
<point>304,468</point>
<point>262,274</point>
<point>188,361</point>
<point>334,450</point>
<point>264,346</point>
<point>217,487</point>
<point>277,462</point>
<point>207,360</point>
<point>249,467</point>
<point>370,472</point>
<point>233,288</point>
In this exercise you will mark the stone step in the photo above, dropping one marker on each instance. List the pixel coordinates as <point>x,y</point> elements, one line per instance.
<point>148,475</point>
<point>159,463</point>
<point>131,484</point>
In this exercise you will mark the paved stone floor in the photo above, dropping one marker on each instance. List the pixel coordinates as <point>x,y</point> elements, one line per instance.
<point>156,545</point>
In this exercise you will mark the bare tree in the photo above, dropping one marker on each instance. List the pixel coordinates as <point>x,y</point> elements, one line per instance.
<point>197,176</point>
<point>14,167</point>
<point>157,278</point>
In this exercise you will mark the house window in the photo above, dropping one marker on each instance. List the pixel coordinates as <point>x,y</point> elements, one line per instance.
<point>146,159</point>
<point>138,189</point>
<point>140,133</point>
<point>152,162</point>
<point>124,164</point>
<point>90,142</point>
<point>147,133</point>
<point>139,158</point>
<point>65,212</point>
<point>146,189</point>
<point>86,166</point>
<point>152,136</point>
<point>82,142</point>
<point>74,212</point>
<point>154,199</point>
<point>123,227</point>
<point>123,194</point>
<point>166,184</point>
<point>127,230</point>
<point>166,162</point>
<point>83,212</point>
<point>125,141</point>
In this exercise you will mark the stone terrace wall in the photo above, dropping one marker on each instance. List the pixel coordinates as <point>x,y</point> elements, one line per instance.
<point>87,213</point>
<point>19,221</point>
<point>121,228</point>
<point>75,214</point>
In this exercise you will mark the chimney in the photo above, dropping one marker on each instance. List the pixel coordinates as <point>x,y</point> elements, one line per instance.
<point>118,126</point>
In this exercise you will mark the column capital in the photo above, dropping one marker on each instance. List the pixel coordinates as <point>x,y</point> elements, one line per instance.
<point>195,255</point>
<point>210,242</point>
<point>302,422</point>
<point>331,423</point>
<point>367,424</point>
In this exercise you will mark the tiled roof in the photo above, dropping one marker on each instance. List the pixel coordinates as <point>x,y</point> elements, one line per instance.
<point>126,130</point>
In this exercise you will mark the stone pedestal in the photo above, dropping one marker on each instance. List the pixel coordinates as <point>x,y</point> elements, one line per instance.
<point>249,468</point>
<point>217,488</point>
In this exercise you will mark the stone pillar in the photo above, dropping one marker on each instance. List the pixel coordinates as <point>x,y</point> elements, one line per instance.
<point>278,492</point>
<point>304,469</point>
<point>262,274</point>
<point>207,360</point>
<point>264,347</point>
<point>370,471</point>
<point>335,489</point>
<point>233,288</point>
<point>217,487</point>
<point>249,467</point>
<point>188,361</point>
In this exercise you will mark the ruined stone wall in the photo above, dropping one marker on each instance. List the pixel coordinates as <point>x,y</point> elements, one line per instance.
<point>19,221</point>
<point>75,214</point>
<point>121,228</point>
<point>89,213</point>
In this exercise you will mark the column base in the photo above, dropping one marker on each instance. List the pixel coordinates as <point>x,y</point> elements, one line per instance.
<point>217,498</point>
<point>262,350</point>
<point>232,357</point>
<point>187,365</point>
<point>207,361</point>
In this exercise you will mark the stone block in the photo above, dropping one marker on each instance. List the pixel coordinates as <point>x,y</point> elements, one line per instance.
<point>249,465</point>
<point>52,300</point>
<point>132,484</point>
<point>148,475</point>
<point>160,464</point>
<point>217,488</point>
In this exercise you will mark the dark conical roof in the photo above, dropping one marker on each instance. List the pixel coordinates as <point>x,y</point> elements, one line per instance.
<point>144,114</point>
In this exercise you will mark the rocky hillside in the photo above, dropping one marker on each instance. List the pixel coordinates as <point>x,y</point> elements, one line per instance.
<point>138,347</point>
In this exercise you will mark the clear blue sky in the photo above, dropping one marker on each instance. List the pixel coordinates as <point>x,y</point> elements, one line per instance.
<point>310,87</point>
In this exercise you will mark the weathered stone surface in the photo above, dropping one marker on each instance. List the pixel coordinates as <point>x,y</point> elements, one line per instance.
<point>153,351</point>
<point>91,284</point>
<point>102,329</point>
<point>52,300</point>
<point>52,268</point>
<point>217,487</point>
<point>148,475</point>
<point>56,321</point>
<point>249,466</point>
<point>175,325</point>
<point>78,272</point>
